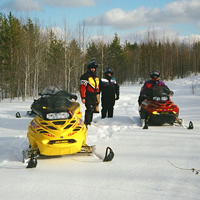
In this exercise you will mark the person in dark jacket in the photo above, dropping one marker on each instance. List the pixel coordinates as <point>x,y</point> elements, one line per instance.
<point>109,93</point>
<point>89,88</point>
<point>154,81</point>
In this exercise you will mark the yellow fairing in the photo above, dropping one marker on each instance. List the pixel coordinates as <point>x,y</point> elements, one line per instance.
<point>57,137</point>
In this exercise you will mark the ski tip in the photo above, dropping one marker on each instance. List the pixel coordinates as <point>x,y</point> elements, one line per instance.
<point>146,126</point>
<point>18,115</point>
<point>32,163</point>
<point>191,126</point>
<point>109,155</point>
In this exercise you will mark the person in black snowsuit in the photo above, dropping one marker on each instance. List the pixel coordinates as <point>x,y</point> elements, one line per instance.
<point>89,88</point>
<point>109,93</point>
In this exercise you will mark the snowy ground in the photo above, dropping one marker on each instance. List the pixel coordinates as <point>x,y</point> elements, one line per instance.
<point>140,169</point>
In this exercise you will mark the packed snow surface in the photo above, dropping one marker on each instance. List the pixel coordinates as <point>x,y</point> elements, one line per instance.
<point>149,164</point>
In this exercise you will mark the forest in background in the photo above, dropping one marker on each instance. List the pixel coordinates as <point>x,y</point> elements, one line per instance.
<point>31,58</point>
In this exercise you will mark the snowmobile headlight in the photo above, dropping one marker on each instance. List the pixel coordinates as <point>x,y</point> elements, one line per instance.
<point>154,112</point>
<point>156,98</point>
<point>164,98</point>
<point>61,115</point>
<point>45,141</point>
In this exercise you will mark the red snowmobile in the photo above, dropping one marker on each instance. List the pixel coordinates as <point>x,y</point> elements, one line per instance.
<point>158,108</point>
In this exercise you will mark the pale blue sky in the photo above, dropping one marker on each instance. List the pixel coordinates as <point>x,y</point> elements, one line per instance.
<point>129,18</point>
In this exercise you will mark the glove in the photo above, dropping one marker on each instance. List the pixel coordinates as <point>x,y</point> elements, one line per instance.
<point>116,98</point>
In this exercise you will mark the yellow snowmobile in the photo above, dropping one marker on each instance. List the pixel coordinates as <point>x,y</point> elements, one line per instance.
<point>57,128</point>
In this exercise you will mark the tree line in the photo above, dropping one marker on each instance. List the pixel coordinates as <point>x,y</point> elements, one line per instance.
<point>31,59</point>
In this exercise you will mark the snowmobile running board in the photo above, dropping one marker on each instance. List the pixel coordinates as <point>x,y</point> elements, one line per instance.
<point>30,155</point>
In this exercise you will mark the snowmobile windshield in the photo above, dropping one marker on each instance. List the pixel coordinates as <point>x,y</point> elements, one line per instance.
<point>55,91</point>
<point>50,90</point>
<point>54,104</point>
<point>158,93</point>
<point>58,102</point>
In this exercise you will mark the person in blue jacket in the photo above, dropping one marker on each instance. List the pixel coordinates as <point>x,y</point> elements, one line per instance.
<point>109,93</point>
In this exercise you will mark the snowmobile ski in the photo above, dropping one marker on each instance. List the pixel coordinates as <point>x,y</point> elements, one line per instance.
<point>190,125</point>
<point>180,122</point>
<point>30,156</point>
<point>32,162</point>
<point>18,115</point>
<point>109,154</point>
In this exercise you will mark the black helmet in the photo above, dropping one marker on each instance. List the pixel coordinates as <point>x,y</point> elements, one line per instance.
<point>109,70</point>
<point>92,64</point>
<point>154,73</point>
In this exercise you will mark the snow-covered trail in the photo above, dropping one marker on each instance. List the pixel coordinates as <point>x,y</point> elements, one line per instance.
<point>139,170</point>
